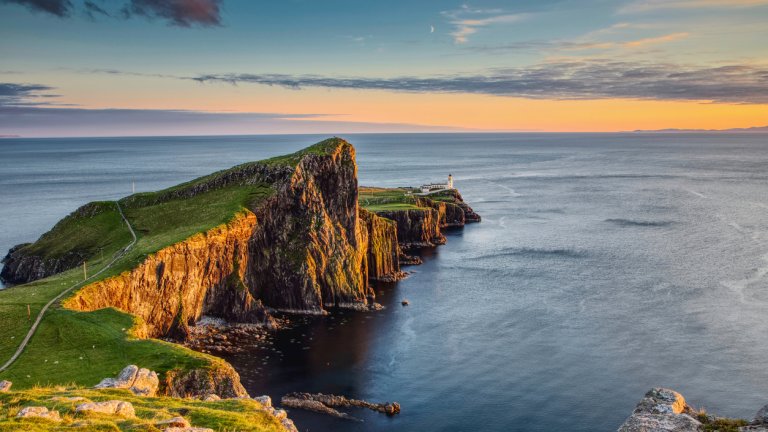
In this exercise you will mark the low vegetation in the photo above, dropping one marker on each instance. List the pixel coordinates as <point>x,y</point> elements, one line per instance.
<point>224,415</point>
<point>383,199</point>
<point>720,424</point>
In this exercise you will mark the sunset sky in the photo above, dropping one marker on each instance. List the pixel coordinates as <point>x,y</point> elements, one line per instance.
<point>188,67</point>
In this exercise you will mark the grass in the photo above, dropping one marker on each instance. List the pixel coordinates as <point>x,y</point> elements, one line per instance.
<point>226,415</point>
<point>92,230</point>
<point>719,424</point>
<point>381,199</point>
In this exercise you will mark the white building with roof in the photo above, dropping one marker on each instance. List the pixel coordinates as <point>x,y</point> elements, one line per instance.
<point>435,187</point>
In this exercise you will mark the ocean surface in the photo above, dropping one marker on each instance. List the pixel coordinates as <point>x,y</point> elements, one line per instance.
<point>605,264</point>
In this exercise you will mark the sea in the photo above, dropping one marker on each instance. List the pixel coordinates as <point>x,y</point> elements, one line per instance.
<point>605,265</point>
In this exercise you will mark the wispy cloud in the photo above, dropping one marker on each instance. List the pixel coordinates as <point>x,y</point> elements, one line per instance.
<point>12,94</point>
<point>637,6</point>
<point>181,13</point>
<point>60,8</point>
<point>576,79</point>
<point>468,21</point>
<point>656,40</point>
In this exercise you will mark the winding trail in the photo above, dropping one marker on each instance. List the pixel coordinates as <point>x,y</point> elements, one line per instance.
<point>39,318</point>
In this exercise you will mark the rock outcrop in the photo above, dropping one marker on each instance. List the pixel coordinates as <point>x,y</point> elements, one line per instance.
<point>39,412</point>
<point>418,227</point>
<point>221,380</point>
<point>661,410</point>
<point>383,248</point>
<point>326,404</point>
<point>140,381</point>
<point>112,407</point>
<point>664,410</point>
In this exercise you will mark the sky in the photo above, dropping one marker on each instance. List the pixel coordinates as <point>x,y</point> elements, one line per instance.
<point>221,67</point>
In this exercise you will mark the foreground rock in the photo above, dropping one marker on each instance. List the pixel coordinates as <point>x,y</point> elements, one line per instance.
<point>5,386</point>
<point>113,407</point>
<point>39,412</point>
<point>664,410</point>
<point>661,410</point>
<point>140,381</point>
<point>325,404</point>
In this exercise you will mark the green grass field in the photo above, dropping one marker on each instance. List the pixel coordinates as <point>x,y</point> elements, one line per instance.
<point>382,199</point>
<point>231,415</point>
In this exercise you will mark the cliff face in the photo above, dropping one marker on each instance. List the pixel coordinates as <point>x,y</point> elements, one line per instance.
<point>310,251</point>
<point>178,284</point>
<point>416,227</point>
<point>383,248</point>
<point>304,249</point>
<point>21,268</point>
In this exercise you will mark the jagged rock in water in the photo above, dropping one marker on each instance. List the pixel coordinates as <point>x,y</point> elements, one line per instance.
<point>316,406</point>
<point>113,407</point>
<point>661,410</point>
<point>141,382</point>
<point>39,412</point>
<point>310,401</point>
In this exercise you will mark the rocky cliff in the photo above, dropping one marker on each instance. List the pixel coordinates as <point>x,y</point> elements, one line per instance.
<point>304,249</point>
<point>383,248</point>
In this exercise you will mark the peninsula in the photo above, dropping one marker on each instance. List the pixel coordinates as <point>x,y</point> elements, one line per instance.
<point>119,283</point>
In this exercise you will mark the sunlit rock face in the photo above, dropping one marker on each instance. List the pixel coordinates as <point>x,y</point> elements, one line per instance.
<point>304,249</point>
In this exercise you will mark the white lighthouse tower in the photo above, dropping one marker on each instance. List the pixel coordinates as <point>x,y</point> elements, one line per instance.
<point>450,181</point>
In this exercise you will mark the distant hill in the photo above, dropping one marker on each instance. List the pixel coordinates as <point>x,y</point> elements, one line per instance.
<point>757,129</point>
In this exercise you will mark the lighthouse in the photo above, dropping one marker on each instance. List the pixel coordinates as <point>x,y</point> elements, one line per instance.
<point>450,181</point>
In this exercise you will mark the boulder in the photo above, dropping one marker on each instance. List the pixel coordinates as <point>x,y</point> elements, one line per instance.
<point>761,418</point>
<point>39,412</point>
<point>113,407</point>
<point>5,386</point>
<point>211,398</point>
<point>264,400</point>
<point>176,422</point>
<point>140,381</point>
<point>661,410</point>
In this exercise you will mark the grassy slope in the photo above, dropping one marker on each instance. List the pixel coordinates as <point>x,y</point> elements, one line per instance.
<point>226,415</point>
<point>381,199</point>
<point>70,336</point>
<point>62,351</point>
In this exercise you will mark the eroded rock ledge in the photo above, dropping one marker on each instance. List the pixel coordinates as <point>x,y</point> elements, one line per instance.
<point>665,410</point>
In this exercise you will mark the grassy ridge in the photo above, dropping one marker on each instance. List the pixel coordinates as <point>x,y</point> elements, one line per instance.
<point>62,350</point>
<point>225,415</point>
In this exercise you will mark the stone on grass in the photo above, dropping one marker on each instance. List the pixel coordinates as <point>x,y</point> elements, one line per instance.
<point>39,412</point>
<point>211,398</point>
<point>177,422</point>
<point>113,407</point>
<point>5,386</point>
<point>140,381</point>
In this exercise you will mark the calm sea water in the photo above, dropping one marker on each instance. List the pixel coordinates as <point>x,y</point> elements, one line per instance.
<point>604,265</point>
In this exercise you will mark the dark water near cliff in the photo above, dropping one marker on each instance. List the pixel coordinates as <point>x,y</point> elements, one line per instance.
<point>605,264</point>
